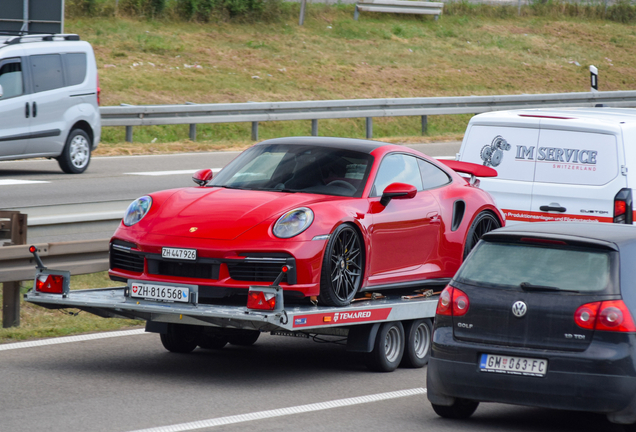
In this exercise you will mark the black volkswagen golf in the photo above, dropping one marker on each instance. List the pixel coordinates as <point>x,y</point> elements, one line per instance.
<point>541,315</point>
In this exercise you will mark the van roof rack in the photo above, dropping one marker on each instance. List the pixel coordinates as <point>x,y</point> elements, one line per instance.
<point>16,37</point>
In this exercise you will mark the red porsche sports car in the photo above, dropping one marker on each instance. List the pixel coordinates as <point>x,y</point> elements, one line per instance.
<point>343,216</point>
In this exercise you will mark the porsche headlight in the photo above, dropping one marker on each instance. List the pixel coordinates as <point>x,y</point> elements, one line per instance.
<point>293,222</point>
<point>137,210</point>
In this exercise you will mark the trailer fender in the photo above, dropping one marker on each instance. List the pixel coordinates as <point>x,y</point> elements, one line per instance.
<point>156,327</point>
<point>361,338</point>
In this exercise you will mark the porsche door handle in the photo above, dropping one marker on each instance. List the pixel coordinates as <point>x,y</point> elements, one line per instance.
<point>433,218</point>
<point>553,207</point>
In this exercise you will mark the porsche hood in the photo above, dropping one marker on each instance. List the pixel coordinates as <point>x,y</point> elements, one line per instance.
<point>218,213</point>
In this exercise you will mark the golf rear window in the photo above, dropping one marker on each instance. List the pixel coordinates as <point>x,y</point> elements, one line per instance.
<point>508,265</point>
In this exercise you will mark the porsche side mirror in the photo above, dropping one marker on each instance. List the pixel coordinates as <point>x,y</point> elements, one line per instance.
<point>397,191</point>
<point>202,177</point>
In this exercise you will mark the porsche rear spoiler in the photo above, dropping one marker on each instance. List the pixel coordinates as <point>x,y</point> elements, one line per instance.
<point>474,170</point>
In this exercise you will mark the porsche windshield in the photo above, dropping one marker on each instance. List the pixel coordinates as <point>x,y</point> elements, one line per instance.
<point>298,168</point>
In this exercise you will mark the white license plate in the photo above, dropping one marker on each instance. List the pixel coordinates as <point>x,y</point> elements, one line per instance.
<point>513,365</point>
<point>177,253</point>
<point>160,292</point>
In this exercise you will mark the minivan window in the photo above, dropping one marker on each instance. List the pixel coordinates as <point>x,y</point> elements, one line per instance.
<point>507,265</point>
<point>75,67</point>
<point>11,79</point>
<point>47,72</point>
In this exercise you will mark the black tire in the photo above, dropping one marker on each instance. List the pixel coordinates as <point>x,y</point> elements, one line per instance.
<point>212,341</point>
<point>246,338</point>
<point>461,409</point>
<point>342,267</point>
<point>388,348</point>
<point>76,154</point>
<point>180,338</point>
<point>483,223</point>
<point>417,347</point>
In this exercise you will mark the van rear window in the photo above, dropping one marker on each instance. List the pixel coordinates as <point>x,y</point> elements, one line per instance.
<point>508,265</point>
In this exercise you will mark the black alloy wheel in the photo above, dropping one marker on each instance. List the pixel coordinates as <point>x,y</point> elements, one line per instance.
<point>342,267</point>
<point>483,223</point>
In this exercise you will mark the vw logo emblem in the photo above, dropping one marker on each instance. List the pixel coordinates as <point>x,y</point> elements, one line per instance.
<point>519,309</point>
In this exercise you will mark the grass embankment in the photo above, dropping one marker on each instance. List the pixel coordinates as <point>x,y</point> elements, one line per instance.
<point>334,57</point>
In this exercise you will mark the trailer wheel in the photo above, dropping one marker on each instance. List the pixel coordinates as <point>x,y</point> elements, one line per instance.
<point>180,338</point>
<point>388,348</point>
<point>212,341</point>
<point>460,409</point>
<point>418,343</point>
<point>246,338</point>
<point>341,275</point>
<point>483,223</point>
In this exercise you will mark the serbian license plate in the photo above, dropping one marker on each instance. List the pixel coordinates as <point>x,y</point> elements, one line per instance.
<point>160,292</point>
<point>513,365</point>
<point>177,253</point>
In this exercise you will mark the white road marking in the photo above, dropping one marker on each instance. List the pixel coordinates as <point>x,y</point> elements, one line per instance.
<point>10,182</point>
<point>67,339</point>
<point>221,421</point>
<point>165,173</point>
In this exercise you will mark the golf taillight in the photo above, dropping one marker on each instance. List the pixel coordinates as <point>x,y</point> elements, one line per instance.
<point>261,300</point>
<point>48,283</point>
<point>623,213</point>
<point>611,315</point>
<point>452,302</point>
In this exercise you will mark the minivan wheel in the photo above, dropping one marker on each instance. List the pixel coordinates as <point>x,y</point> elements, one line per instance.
<point>460,409</point>
<point>77,153</point>
<point>483,223</point>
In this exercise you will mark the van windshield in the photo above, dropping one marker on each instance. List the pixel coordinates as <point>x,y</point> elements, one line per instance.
<point>530,267</point>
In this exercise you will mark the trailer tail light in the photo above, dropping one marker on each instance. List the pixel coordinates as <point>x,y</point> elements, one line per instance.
<point>48,283</point>
<point>261,300</point>
<point>623,207</point>
<point>452,302</point>
<point>611,315</point>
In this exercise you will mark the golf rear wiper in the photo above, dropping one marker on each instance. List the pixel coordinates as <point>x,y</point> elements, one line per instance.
<point>526,286</point>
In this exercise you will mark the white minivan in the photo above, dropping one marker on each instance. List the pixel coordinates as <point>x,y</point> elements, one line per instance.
<point>557,164</point>
<point>49,99</point>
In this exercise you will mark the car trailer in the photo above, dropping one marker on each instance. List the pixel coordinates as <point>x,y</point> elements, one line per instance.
<point>391,330</point>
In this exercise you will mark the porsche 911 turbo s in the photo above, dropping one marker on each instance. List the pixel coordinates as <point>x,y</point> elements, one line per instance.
<point>341,216</point>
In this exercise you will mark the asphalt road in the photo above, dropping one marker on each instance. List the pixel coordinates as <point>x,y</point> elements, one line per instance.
<point>131,383</point>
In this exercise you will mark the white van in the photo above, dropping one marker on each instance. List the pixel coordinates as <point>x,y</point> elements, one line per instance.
<point>569,164</point>
<point>49,97</point>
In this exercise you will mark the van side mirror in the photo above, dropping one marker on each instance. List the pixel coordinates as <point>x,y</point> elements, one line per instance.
<point>202,177</point>
<point>397,191</point>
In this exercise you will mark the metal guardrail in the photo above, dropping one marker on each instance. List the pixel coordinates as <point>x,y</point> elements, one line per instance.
<point>80,257</point>
<point>254,112</point>
<point>397,6</point>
